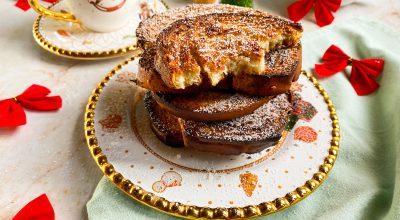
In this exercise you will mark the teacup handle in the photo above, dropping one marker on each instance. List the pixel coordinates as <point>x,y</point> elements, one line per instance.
<point>52,14</point>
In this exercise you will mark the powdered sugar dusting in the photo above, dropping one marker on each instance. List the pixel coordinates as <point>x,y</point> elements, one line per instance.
<point>213,102</point>
<point>234,102</point>
<point>238,43</point>
<point>149,29</point>
<point>282,62</point>
<point>266,122</point>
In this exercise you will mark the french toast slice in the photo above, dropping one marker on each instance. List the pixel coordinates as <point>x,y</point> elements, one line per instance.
<point>210,105</point>
<point>282,66</point>
<point>149,29</point>
<point>215,45</point>
<point>247,134</point>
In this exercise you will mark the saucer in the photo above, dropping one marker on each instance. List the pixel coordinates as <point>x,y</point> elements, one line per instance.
<point>70,40</point>
<point>193,184</point>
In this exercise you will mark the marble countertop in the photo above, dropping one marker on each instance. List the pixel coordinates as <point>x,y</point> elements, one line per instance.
<point>49,154</point>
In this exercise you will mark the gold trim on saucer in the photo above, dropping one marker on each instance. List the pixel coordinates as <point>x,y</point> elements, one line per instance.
<point>95,55</point>
<point>190,211</point>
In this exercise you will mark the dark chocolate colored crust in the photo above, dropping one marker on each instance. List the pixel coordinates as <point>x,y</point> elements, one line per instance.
<point>210,105</point>
<point>247,134</point>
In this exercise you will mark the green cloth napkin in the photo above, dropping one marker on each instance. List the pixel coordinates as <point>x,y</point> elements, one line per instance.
<point>365,181</point>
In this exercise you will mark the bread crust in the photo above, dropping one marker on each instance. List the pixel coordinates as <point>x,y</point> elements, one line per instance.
<point>164,125</point>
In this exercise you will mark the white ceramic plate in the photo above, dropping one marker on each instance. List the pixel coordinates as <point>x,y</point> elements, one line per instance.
<point>123,144</point>
<point>71,40</point>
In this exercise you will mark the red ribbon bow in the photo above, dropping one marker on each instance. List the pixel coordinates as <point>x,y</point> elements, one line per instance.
<point>323,10</point>
<point>35,98</point>
<point>24,5</point>
<point>38,209</point>
<point>363,72</point>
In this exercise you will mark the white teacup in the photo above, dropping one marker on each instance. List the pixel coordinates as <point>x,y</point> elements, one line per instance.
<point>96,15</point>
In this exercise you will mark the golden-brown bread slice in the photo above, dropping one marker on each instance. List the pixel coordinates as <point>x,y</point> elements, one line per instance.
<point>215,45</point>
<point>210,105</point>
<point>149,29</point>
<point>248,134</point>
<point>282,66</point>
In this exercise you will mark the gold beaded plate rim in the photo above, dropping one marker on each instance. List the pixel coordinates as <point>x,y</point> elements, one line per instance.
<point>79,55</point>
<point>190,211</point>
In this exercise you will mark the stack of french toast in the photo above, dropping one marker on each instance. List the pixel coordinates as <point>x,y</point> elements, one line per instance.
<point>218,76</point>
